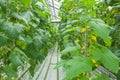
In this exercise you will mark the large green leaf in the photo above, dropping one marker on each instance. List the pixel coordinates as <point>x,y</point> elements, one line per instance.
<point>73,50</point>
<point>9,71</point>
<point>22,56</point>
<point>77,65</point>
<point>16,15</point>
<point>61,63</point>
<point>15,60</point>
<point>25,16</point>
<point>12,30</point>
<point>17,57</point>
<point>18,28</point>
<point>106,57</point>
<point>100,28</point>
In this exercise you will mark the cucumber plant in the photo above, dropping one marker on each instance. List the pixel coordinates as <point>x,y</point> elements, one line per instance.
<point>85,40</point>
<point>25,35</point>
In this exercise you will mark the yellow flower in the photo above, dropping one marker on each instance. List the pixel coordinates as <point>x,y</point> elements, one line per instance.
<point>93,60</point>
<point>87,27</point>
<point>27,28</point>
<point>94,38</point>
<point>18,23</point>
<point>77,40</point>
<point>96,65</point>
<point>83,30</point>
<point>89,78</point>
<point>83,48</point>
<point>107,24</point>
<point>84,73</point>
<point>113,22</point>
<point>17,7</point>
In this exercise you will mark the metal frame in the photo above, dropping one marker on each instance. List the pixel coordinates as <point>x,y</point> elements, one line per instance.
<point>54,8</point>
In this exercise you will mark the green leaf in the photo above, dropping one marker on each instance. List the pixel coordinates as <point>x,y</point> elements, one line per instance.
<point>3,39</point>
<point>18,28</point>
<point>9,71</point>
<point>17,57</point>
<point>38,41</point>
<point>70,30</point>
<point>2,2</point>
<point>108,41</point>
<point>116,5</point>
<point>33,63</point>
<point>102,77</point>
<point>40,5</point>
<point>74,50</point>
<point>22,56</point>
<point>12,30</point>
<point>100,28</point>
<point>21,43</point>
<point>84,78</point>
<point>78,65</point>
<point>15,60</point>
<point>61,63</point>
<point>28,39</point>
<point>85,17</point>
<point>26,3</point>
<point>106,57</point>
<point>27,16</point>
<point>16,15</point>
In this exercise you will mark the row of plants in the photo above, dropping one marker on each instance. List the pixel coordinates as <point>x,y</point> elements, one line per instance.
<point>89,38</point>
<point>25,35</point>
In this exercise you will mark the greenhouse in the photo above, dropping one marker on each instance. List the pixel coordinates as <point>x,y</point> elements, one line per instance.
<point>59,39</point>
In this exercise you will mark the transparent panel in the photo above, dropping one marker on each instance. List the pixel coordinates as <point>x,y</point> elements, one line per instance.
<point>54,7</point>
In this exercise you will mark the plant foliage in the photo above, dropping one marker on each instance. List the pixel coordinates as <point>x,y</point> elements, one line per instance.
<point>84,23</point>
<point>25,34</point>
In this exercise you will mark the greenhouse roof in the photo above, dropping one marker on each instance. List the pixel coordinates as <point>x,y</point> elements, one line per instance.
<point>54,6</point>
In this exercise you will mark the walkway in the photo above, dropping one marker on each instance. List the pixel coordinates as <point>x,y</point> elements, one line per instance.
<point>46,71</point>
